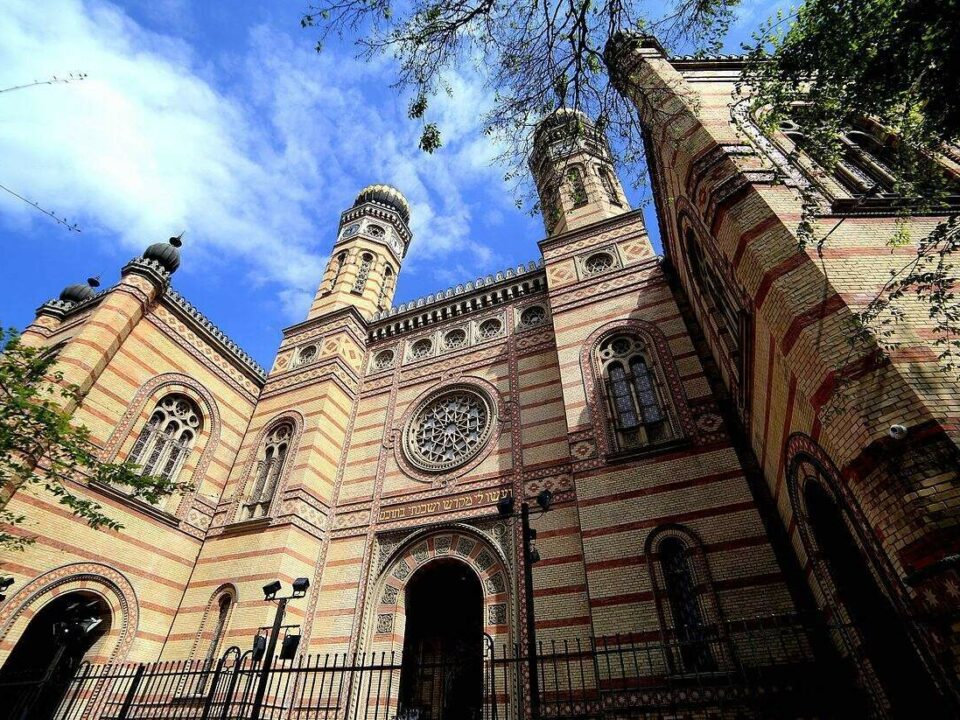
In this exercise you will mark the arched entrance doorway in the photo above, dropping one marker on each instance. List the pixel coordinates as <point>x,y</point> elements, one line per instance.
<point>896,662</point>
<point>38,670</point>
<point>442,672</point>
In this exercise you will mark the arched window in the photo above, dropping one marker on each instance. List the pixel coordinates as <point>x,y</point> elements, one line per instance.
<point>578,191</point>
<point>385,288</point>
<point>224,606</point>
<point>366,260</point>
<point>340,261</point>
<point>860,168</point>
<point>166,439</point>
<point>268,469</point>
<point>636,407</point>
<point>680,588</point>
<point>608,187</point>
<point>715,295</point>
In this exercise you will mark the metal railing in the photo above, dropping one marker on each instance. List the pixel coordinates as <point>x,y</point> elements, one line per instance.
<point>750,669</point>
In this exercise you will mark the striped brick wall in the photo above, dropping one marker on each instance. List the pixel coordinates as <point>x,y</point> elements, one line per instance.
<point>810,390</point>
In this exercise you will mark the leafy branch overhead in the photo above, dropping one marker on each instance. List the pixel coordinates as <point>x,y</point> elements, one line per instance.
<point>890,64</point>
<point>533,56</point>
<point>40,445</point>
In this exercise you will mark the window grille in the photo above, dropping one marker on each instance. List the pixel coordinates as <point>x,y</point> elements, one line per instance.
<point>363,273</point>
<point>578,191</point>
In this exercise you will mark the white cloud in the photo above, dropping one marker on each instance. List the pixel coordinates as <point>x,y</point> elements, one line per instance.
<point>152,143</point>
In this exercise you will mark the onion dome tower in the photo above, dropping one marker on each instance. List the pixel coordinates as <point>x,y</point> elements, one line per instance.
<point>372,240</point>
<point>80,292</point>
<point>573,169</point>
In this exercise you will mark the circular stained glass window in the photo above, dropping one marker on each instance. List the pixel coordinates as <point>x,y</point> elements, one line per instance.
<point>421,348</point>
<point>598,262</point>
<point>383,359</point>
<point>308,353</point>
<point>533,315</point>
<point>490,328</point>
<point>455,339</point>
<point>448,430</point>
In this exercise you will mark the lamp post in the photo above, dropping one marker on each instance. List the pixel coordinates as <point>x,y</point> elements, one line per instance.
<point>530,556</point>
<point>270,591</point>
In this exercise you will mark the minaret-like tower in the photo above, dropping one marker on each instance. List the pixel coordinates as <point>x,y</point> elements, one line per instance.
<point>573,169</point>
<point>372,240</point>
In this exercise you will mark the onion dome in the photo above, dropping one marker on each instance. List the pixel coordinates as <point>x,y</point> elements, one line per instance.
<point>560,117</point>
<point>385,195</point>
<point>167,254</point>
<point>80,292</point>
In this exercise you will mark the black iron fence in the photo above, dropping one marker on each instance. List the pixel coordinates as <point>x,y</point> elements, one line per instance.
<point>771,668</point>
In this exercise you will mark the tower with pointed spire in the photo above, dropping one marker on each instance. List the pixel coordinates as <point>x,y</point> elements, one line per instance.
<point>574,172</point>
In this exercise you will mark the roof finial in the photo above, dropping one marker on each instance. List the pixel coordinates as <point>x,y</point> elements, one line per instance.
<point>177,240</point>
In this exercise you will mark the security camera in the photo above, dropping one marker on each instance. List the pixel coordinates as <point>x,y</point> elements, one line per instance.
<point>897,432</point>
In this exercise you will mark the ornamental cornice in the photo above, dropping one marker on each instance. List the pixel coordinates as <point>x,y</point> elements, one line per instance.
<point>549,245</point>
<point>181,332</point>
<point>342,318</point>
<point>464,299</point>
<point>219,339</point>
<point>380,212</point>
<point>64,308</point>
<point>615,283</point>
<point>334,369</point>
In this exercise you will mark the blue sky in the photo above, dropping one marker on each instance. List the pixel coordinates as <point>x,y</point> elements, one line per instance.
<point>219,119</point>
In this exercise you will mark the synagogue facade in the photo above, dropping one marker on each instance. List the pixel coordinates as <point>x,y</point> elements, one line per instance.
<point>718,453</point>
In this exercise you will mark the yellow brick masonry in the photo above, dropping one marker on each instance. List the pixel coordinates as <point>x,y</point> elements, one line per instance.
<point>802,320</point>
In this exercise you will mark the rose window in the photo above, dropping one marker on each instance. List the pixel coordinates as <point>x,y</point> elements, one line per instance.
<point>448,430</point>
<point>308,354</point>
<point>490,328</point>
<point>598,262</point>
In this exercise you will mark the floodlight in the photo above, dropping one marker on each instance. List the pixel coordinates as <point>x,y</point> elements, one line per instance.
<point>5,583</point>
<point>259,648</point>
<point>300,586</point>
<point>288,650</point>
<point>270,591</point>
<point>533,556</point>
<point>505,506</point>
<point>544,498</point>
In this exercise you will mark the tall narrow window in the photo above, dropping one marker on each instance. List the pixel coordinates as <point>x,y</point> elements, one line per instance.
<point>681,594</point>
<point>366,260</point>
<point>715,295</point>
<point>166,439</point>
<point>385,288</point>
<point>223,614</point>
<point>608,186</point>
<point>578,191</point>
<point>340,260</point>
<point>635,404</point>
<point>268,470</point>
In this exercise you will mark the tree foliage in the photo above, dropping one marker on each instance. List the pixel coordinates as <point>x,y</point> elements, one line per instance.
<point>534,56</point>
<point>895,63</point>
<point>41,446</point>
